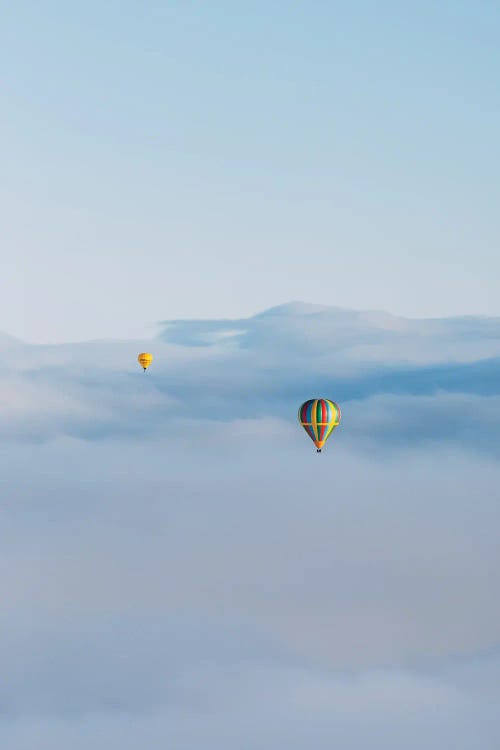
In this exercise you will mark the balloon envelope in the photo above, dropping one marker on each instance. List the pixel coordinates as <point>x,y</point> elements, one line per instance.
<point>145,359</point>
<point>319,417</point>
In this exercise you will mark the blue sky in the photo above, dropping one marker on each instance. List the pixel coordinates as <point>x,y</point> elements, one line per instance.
<point>187,159</point>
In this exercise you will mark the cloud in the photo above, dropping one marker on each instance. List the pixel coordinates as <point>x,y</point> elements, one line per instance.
<point>179,566</point>
<point>276,360</point>
<point>352,560</point>
<point>400,422</point>
<point>377,415</point>
<point>130,683</point>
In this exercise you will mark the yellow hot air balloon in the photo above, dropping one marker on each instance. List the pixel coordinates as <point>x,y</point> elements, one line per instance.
<point>145,360</point>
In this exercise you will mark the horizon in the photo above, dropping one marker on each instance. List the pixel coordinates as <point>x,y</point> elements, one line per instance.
<point>262,312</point>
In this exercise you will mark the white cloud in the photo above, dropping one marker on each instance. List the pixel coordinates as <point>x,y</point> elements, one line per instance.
<point>281,358</point>
<point>179,565</point>
<point>350,560</point>
<point>150,683</point>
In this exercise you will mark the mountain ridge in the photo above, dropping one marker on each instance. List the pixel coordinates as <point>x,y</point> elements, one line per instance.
<point>295,319</point>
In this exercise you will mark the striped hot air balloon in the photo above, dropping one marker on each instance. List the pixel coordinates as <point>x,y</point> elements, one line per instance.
<point>319,417</point>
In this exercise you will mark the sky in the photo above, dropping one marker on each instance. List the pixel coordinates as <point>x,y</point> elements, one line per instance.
<point>178,566</point>
<point>243,189</point>
<point>193,160</point>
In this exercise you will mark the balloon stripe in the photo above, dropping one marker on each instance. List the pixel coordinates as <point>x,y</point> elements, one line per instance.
<point>331,410</point>
<point>315,419</point>
<point>331,428</point>
<point>327,432</point>
<point>324,419</point>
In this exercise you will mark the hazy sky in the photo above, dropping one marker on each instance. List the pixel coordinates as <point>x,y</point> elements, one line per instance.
<point>184,159</point>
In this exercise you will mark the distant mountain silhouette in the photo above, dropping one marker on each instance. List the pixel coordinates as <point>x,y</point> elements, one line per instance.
<point>304,329</point>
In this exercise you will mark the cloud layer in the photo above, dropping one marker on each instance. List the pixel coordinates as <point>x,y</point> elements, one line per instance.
<point>399,382</point>
<point>180,567</point>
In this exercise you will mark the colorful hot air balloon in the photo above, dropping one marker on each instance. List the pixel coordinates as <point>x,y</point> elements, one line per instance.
<point>319,417</point>
<point>145,360</point>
